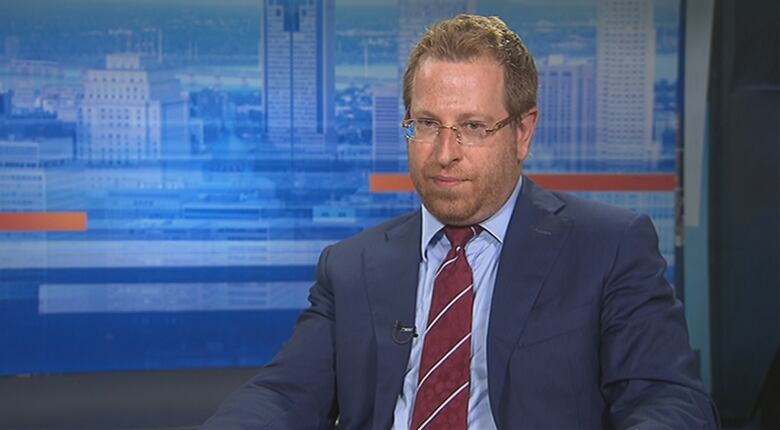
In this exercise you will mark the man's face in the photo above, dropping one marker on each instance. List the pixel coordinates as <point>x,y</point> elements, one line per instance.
<point>462,185</point>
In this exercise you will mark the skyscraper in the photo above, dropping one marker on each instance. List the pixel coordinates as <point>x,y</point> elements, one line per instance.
<point>625,63</point>
<point>388,142</point>
<point>298,76</point>
<point>131,113</point>
<point>567,103</point>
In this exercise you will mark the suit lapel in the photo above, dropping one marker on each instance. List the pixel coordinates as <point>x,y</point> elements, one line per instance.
<point>533,239</point>
<point>391,272</point>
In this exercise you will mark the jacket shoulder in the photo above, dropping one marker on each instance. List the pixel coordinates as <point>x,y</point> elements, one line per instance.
<point>378,233</point>
<point>593,215</point>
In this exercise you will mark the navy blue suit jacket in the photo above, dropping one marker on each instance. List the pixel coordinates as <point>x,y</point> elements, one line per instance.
<point>584,332</point>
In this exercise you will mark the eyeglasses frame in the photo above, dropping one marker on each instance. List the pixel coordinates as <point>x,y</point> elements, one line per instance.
<point>458,136</point>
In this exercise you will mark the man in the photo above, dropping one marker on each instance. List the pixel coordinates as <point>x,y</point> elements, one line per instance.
<point>498,305</point>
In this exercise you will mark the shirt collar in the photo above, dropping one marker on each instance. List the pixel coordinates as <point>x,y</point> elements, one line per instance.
<point>496,225</point>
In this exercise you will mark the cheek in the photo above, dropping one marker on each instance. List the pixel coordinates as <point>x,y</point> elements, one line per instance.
<point>513,155</point>
<point>501,167</point>
<point>417,156</point>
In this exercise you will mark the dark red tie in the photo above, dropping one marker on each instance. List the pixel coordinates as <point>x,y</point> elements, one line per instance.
<point>443,385</point>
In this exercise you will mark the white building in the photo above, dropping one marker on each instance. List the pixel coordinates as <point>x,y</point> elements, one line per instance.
<point>131,113</point>
<point>388,146</point>
<point>298,70</point>
<point>567,102</point>
<point>625,63</point>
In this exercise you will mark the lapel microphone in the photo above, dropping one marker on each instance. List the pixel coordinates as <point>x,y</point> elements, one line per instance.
<point>403,334</point>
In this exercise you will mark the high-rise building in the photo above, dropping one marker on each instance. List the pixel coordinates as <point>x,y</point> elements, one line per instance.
<point>567,102</point>
<point>625,63</point>
<point>298,71</point>
<point>388,146</point>
<point>132,112</point>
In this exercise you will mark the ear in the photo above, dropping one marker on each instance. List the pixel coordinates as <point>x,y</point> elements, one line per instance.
<point>526,127</point>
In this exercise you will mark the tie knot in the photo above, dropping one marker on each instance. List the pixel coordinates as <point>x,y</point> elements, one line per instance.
<point>460,236</point>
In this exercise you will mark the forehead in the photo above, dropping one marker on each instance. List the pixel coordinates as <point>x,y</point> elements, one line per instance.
<point>476,85</point>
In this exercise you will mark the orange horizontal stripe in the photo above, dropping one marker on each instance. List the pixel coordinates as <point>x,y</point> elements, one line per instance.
<point>43,221</point>
<point>391,183</point>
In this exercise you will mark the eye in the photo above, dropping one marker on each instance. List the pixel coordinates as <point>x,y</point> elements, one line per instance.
<point>426,123</point>
<point>474,126</point>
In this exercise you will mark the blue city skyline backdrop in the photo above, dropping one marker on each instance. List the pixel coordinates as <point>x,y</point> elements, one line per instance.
<point>214,167</point>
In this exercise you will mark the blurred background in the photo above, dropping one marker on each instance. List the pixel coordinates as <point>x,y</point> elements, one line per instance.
<point>170,171</point>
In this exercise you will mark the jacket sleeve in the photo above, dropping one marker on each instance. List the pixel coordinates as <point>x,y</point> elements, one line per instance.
<point>296,390</point>
<point>648,368</point>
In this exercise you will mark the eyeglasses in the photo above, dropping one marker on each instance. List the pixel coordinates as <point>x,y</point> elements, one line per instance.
<point>468,133</point>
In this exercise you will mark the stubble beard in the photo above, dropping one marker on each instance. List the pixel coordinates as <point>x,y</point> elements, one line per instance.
<point>466,207</point>
<point>484,196</point>
<point>449,207</point>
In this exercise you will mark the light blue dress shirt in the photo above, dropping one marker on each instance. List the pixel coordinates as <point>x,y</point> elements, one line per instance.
<point>482,253</point>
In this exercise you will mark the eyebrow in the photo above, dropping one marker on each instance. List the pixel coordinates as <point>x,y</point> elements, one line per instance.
<point>462,117</point>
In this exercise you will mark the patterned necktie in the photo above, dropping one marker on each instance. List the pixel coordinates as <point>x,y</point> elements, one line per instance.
<point>443,385</point>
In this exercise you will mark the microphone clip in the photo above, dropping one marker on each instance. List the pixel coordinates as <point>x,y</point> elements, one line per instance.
<point>403,334</point>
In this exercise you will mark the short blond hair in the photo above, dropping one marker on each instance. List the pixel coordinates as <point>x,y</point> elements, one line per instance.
<point>470,37</point>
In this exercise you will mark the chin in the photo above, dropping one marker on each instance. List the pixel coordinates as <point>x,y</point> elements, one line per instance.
<point>451,216</point>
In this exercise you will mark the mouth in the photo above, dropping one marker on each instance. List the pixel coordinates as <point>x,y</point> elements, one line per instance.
<point>447,181</point>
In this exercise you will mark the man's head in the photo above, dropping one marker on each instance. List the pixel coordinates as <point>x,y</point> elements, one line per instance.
<point>468,37</point>
<point>469,72</point>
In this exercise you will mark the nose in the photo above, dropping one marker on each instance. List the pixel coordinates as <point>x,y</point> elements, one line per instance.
<point>448,149</point>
